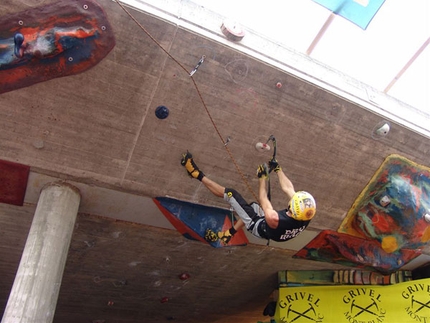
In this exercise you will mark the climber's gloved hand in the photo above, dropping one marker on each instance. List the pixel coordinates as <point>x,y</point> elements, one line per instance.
<point>262,171</point>
<point>274,165</point>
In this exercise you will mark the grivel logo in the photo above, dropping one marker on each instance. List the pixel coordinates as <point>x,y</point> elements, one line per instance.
<point>418,296</point>
<point>301,307</point>
<point>364,306</point>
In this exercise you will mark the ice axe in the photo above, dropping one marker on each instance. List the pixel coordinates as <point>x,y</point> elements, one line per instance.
<point>364,309</point>
<point>272,137</point>
<point>422,304</point>
<point>311,308</point>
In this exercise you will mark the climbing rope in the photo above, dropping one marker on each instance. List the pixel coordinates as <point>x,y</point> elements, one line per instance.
<point>198,92</point>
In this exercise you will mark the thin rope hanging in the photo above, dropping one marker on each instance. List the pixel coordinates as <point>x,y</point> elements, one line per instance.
<point>198,92</point>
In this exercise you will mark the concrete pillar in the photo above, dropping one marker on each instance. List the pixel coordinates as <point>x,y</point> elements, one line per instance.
<point>37,283</point>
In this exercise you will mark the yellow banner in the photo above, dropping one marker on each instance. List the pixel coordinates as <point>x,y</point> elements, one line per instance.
<point>399,303</point>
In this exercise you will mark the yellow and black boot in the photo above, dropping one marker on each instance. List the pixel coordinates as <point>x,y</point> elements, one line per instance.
<point>191,167</point>
<point>225,236</point>
<point>211,236</point>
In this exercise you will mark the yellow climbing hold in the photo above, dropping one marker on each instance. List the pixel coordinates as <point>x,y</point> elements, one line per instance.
<point>389,244</point>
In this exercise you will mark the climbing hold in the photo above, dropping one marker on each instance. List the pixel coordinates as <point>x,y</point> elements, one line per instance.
<point>162,112</point>
<point>385,201</point>
<point>381,130</point>
<point>389,244</point>
<point>260,146</point>
<point>164,300</point>
<point>18,40</point>
<point>184,276</point>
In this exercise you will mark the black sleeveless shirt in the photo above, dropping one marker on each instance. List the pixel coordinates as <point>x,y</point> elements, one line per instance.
<point>287,229</point>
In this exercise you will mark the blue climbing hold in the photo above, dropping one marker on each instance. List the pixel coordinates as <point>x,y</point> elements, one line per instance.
<point>162,112</point>
<point>18,40</point>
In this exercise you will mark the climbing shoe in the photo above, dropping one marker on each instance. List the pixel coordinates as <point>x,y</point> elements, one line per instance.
<point>262,171</point>
<point>191,167</point>
<point>225,236</point>
<point>210,236</point>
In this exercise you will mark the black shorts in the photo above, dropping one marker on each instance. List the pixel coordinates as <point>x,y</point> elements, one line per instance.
<point>251,214</point>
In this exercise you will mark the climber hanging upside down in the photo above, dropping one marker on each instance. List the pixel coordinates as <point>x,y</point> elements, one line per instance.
<point>260,219</point>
